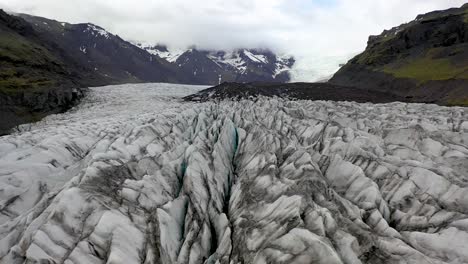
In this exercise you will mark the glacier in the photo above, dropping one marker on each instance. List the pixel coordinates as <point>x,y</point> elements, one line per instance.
<point>318,67</point>
<point>136,175</point>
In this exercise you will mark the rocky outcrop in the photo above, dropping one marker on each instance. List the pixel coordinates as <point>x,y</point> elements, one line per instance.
<point>31,106</point>
<point>134,175</point>
<point>35,78</point>
<point>423,61</point>
<point>296,91</point>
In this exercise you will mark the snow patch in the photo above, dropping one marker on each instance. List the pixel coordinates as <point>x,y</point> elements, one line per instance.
<point>97,31</point>
<point>255,58</point>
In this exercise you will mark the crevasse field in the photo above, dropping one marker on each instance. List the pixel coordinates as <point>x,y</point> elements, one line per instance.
<point>135,175</point>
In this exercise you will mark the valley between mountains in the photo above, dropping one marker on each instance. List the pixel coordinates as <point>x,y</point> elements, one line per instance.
<point>46,65</point>
<point>134,174</point>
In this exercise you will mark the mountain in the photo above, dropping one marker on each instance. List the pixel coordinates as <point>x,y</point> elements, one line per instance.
<point>425,60</point>
<point>216,66</point>
<point>113,59</point>
<point>46,62</point>
<point>36,77</point>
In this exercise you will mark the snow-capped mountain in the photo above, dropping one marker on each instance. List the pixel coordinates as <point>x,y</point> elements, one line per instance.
<point>110,58</point>
<point>53,54</point>
<point>162,51</point>
<point>216,66</point>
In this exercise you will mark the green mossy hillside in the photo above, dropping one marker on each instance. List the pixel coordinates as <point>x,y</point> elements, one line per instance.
<point>425,60</point>
<point>432,47</point>
<point>458,102</point>
<point>17,49</point>
<point>427,69</point>
<point>26,65</point>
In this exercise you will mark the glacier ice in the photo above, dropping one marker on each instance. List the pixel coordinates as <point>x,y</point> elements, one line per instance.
<point>135,175</point>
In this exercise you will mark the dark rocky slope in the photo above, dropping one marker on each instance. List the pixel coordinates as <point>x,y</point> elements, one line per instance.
<point>112,59</point>
<point>425,60</point>
<point>300,91</point>
<point>35,77</point>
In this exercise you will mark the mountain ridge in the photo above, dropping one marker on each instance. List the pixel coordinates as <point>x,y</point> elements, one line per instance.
<point>46,63</point>
<point>425,60</point>
<point>236,65</point>
<point>120,61</point>
<point>111,57</point>
<point>36,78</point>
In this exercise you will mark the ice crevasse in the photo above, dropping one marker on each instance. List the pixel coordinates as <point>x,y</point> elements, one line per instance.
<point>134,175</point>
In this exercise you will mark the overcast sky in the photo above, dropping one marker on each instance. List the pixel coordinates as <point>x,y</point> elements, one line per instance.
<point>304,28</point>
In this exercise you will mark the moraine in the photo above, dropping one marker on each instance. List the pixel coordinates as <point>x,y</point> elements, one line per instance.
<point>135,175</point>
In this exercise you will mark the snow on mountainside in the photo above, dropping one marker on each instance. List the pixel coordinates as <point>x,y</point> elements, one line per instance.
<point>133,175</point>
<point>161,51</point>
<point>96,31</point>
<point>240,59</point>
<point>106,58</point>
<point>241,65</point>
<point>113,60</point>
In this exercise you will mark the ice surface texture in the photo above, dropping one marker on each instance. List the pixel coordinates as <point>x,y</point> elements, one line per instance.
<point>134,175</point>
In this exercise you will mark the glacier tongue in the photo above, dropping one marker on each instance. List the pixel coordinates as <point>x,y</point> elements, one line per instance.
<point>134,175</point>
